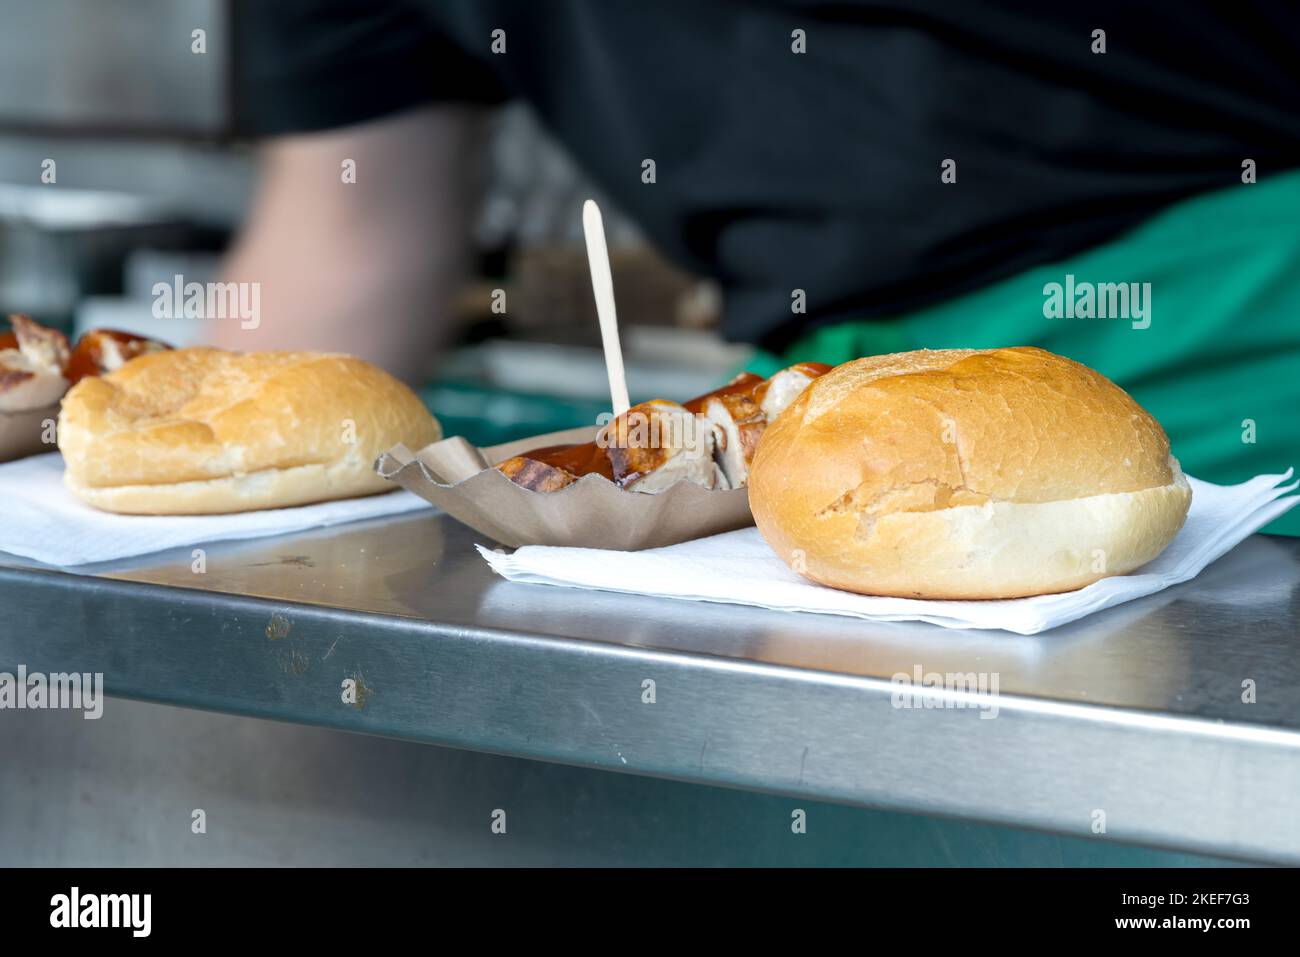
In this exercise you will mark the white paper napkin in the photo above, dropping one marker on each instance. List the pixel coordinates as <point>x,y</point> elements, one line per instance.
<point>739,568</point>
<point>41,519</point>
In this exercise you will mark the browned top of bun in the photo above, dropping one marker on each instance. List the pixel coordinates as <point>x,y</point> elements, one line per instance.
<point>200,414</point>
<point>933,429</point>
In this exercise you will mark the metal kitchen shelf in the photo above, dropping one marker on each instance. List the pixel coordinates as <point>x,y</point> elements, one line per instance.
<point>1137,712</point>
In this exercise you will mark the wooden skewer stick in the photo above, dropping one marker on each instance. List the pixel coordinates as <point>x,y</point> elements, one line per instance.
<point>602,284</point>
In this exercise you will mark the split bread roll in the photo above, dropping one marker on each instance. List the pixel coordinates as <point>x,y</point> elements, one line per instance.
<point>966,474</point>
<point>197,431</point>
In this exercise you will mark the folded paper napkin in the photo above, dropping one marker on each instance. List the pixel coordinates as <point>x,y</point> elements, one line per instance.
<point>739,568</point>
<point>41,519</point>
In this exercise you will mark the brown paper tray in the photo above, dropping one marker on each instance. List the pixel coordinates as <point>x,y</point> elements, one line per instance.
<point>20,432</point>
<point>593,512</point>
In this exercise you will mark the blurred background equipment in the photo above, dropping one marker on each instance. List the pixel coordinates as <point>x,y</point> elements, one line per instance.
<point>126,166</point>
<point>115,66</point>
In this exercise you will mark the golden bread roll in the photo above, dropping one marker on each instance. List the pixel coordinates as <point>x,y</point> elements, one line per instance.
<point>196,431</point>
<point>965,474</point>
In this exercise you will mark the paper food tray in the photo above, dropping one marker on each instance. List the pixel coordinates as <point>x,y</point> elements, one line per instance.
<point>20,432</point>
<point>593,512</point>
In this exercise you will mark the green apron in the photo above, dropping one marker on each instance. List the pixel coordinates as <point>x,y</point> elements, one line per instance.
<point>1219,363</point>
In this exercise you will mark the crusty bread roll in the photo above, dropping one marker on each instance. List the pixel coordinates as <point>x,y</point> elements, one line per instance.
<point>966,474</point>
<point>196,431</point>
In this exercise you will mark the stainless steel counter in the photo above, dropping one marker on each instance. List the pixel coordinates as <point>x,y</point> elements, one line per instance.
<point>1133,720</point>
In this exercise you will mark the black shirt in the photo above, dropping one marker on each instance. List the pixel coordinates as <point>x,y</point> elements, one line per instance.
<point>821,171</point>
